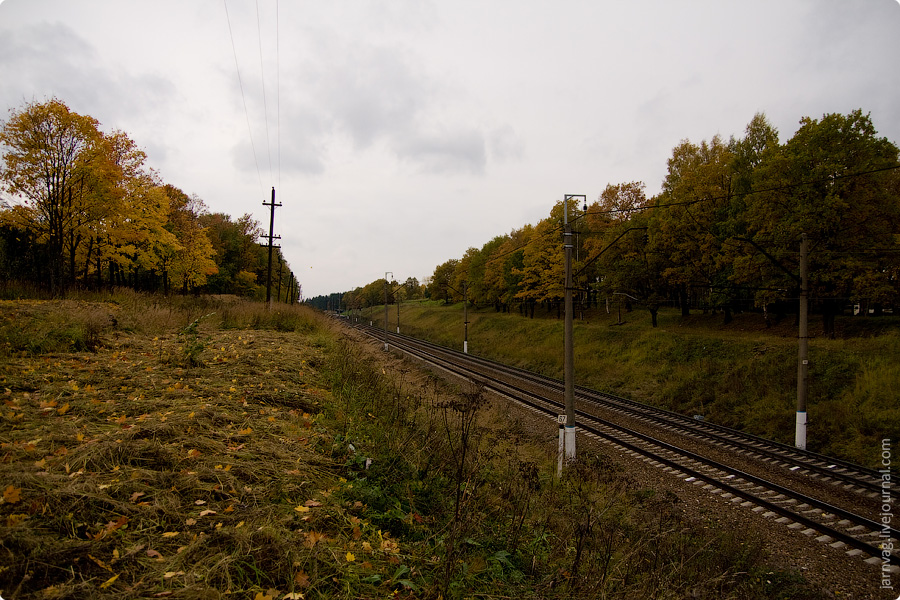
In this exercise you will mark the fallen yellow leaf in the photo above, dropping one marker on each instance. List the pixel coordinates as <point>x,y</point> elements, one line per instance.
<point>15,519</point>
<point>108,582</point>
<point>12,494</point>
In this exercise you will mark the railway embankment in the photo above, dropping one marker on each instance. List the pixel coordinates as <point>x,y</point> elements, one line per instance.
<point>741,374</point>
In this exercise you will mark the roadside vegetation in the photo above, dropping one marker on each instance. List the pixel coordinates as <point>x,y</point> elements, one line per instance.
<point>742,374</point>
<point>209,448</point>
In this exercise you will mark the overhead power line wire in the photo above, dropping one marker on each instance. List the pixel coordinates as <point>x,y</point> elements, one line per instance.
<point>278,86</point>
<point>243,97</point>
<point>262,76</point>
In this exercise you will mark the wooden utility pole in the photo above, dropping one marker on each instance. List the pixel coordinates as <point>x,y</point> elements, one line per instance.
<point>271,239</point>
<point>280,268</point>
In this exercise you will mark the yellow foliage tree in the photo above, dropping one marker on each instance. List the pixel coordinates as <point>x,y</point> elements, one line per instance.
<point>189,266</point>
<point>57,170</point>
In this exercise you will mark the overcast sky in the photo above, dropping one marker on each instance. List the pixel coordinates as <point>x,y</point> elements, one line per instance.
<point>399,133</point>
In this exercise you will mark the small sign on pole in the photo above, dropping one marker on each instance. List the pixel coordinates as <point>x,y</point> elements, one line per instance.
<point>561,421</point>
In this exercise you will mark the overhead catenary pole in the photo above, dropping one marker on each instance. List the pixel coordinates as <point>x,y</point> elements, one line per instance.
<point>465,292</point>
<point>569,350</point>
<point>465,317</point>
<point>803,354</point>
<point>386,308</point>
<point>271,237</point>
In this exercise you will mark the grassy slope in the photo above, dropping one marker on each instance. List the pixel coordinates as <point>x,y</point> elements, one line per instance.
<point>742,375</point>
<point>207,449</point>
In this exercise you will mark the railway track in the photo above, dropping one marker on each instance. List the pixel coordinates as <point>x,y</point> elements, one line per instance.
<point>835,501</point>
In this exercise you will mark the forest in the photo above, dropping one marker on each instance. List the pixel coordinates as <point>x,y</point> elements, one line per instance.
<point>82,209</point>
<point>723,234</point>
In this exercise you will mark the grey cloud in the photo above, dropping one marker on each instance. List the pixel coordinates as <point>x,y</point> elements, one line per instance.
<point>44,61</point>
<point>505,145</point>
<point>50,59</point>
<point>371,94</point>
<point>452,152</point>
<point>299,153</point>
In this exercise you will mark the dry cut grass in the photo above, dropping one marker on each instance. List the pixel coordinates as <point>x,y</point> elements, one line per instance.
<point>126,473</point>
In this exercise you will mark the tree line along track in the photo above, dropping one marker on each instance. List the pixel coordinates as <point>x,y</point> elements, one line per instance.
<point>834,500</point>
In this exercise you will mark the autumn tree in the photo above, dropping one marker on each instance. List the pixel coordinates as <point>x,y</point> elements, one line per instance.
<point>441,281</point>
<point>190,266</point>
<point>621,263</point>
<point>129,240</point>
<point>237,251</point>
<point>56,168</point>
<point>543,260</point>
<point>838,182</point>
<point>411,288</point>
<point>688,233</point>
<point>479,291</point>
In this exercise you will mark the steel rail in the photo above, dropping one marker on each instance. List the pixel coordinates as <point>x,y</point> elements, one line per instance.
<point>802,501</point>
<point>835,469</point>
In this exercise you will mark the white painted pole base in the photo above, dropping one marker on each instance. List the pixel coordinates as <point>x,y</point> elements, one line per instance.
<point>465,347</point>
<point>570,443</point>
<point>385,346</point>
<point>398,330</point>
<point>559,454</point>
<point>800,436</point>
